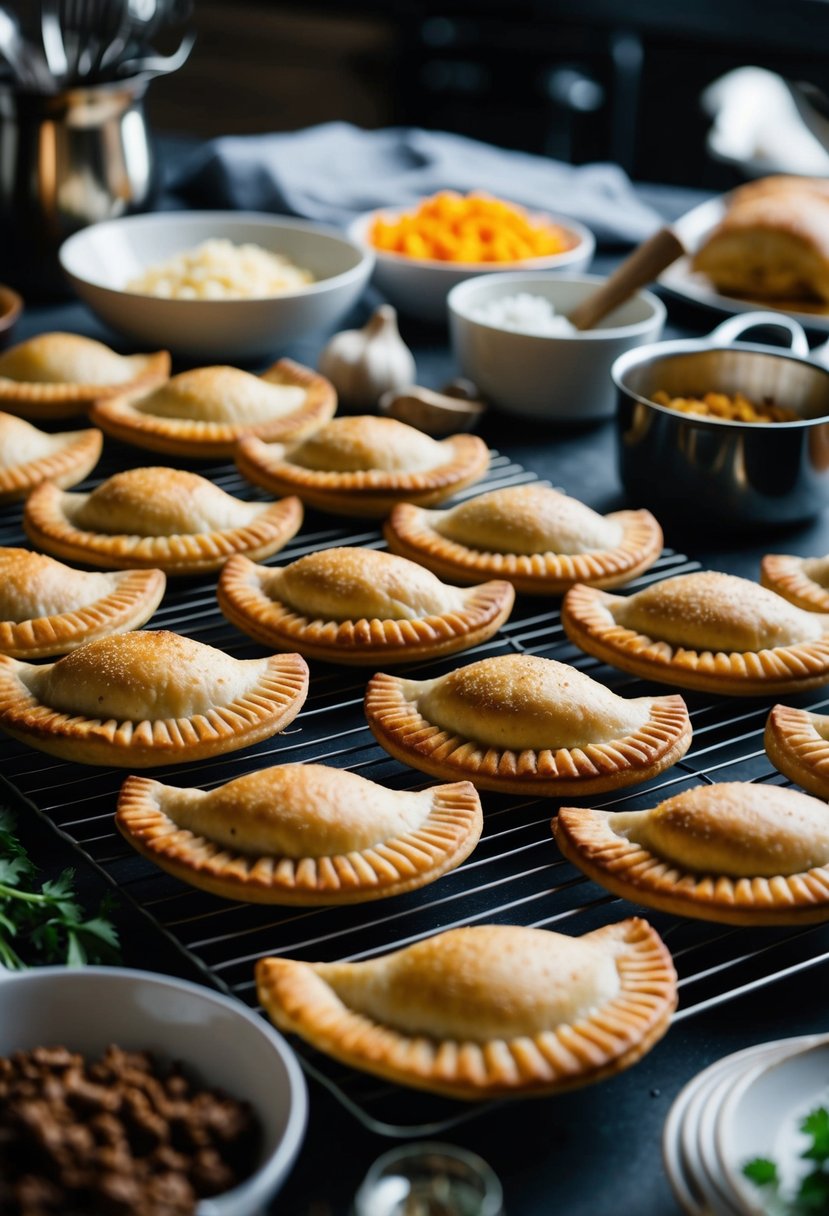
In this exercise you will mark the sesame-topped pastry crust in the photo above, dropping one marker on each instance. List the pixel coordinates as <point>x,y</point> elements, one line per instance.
<point>57,375</point>
<point>47,608</point>
<point>797,743</point>
<point>484,1011</point>
<point>301,834</point>
<point>168,518</point>
<point>354,605</point>
<point>739,853</point>
<point>364,465</point>
<point>542,541</point>
<point>29,456</point>
<point>140,699</point>
<point>206,411</point>
<point>800,580</point>
<point>525,724</point>
<point>707,631</point>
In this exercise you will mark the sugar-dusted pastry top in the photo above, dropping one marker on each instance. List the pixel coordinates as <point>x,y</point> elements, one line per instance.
<point>480,983</point>
<point>58,358</point>
<point>365,442</point>
<point>222,394</point>
<point>141,676</point>
<point>527,519</point>
<point>33,585</point>
<point>523,701</point>
<point>158,501</point>
<point>720,612</point>
<point>355,584</point>
<point>739,829</point>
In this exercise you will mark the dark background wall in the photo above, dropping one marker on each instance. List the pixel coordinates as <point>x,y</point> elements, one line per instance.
<point>577,79</point>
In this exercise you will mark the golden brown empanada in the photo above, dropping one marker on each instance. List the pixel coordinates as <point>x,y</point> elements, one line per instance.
<point>47,608</point>
<point>709,631</point>
<point>168,518</point>
<point>485,1011</point>
<point>359,606</point>
<point>526,724</point>
<point>800,580</point>
<point>29,456</point>
<point>57,375</point>
<point>542,541</point>
<point>739,853</point>
<point>141,699</point>
<point>364,465</point>
<point>206,411</point>
<point>797,743</point>
<point>301,834</point>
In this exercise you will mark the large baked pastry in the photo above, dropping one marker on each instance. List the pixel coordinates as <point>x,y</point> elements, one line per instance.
<point>47,608</point>
<point>484,1011</point>
<point>57,375</point>
<point>542,541</point>
<point>141,699</point>
<point>771,243</point>
<point>167,518</point>
<point>800,580</point>
<point>29,456</point>
<point>797,743</point>
<point>739,853</point>
<point>364,465</point>
<point>528,725</point>
<point>206,411</point>
<point>359,606</point>
<point>301,834</point>
<point>709,631</point>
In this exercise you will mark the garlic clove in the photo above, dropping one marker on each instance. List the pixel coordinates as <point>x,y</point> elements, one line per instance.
<point>362,364</point>
<point>435,413</point>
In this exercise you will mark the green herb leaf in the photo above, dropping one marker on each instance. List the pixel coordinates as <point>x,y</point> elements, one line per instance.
<point>761,1171</point>
<point>816,1125</point>
<point>813,1193</point>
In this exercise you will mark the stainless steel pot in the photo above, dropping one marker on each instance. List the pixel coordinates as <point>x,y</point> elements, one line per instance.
<point>733,474</point>
<point>67,160</point>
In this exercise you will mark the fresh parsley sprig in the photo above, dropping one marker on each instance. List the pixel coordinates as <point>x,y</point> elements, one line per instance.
<point>812,1195</point>
<point>45,922</point>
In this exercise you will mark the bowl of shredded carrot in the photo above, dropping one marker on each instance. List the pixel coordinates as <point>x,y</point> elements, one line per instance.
<point>424,250</point>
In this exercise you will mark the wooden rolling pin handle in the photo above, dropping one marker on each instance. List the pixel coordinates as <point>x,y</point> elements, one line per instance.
<point>641,268</point>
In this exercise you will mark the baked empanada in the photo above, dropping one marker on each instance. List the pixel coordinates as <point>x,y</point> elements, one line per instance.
<point>542,541</point>
<point>29,456</point>
<point>485,1011</point>
<point>364,465</point>
<point>800,580</point>
<point>206,411</point>
<point>528,725</point>
<point>301,834</point>
<point>740,853</point>
<point>47,608</point>
<point>359,606</point>
<point>797,743</point>
<point>168,518</point>
<point>57,375</point>
<point>139,699</point>
<point>709,631</point>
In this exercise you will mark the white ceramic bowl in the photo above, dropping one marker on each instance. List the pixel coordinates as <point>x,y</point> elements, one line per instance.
<point>419,286</point>
<point>218,1040</point>
<point>101,259</point>
<point>550,379</point>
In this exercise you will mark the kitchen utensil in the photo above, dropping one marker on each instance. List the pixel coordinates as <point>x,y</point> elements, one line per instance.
<point>551,378</point>
<point>51,35</point>
<point>27,66</point>
<point>159,65</point>
<point>737,474</point>
<point>637,270</point>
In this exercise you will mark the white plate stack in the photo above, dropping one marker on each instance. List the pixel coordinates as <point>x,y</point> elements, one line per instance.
<point>747,1105</point>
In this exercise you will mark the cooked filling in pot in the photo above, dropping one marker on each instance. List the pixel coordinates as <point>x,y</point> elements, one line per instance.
<point>728,407</point>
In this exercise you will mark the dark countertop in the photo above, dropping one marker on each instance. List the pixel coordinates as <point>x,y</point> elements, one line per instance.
<point>594,1152</point>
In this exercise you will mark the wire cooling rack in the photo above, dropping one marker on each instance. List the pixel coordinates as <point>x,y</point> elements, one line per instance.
<point>516,875</point>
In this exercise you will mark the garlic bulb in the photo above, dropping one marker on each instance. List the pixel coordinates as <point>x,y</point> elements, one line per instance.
<point>362,364</point>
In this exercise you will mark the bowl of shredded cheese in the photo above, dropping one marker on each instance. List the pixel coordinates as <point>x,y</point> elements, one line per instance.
<point>425,250</point>
<point>216,283</point>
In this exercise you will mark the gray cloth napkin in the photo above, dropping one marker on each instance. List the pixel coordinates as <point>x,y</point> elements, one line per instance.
<point>335,171</point>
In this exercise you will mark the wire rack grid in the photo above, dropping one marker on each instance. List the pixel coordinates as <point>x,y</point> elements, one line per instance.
<point>516,875</point>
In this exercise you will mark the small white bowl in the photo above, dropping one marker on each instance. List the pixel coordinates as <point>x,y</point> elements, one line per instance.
<point>220,1042</point>
<point>102,259</point>
<point>419,286</point>
<point>550,379</point>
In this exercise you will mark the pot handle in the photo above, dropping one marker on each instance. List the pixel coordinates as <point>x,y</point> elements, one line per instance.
<point>732,329</point>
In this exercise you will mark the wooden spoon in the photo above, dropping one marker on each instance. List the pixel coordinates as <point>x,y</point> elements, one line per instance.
<point>644,265</point>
